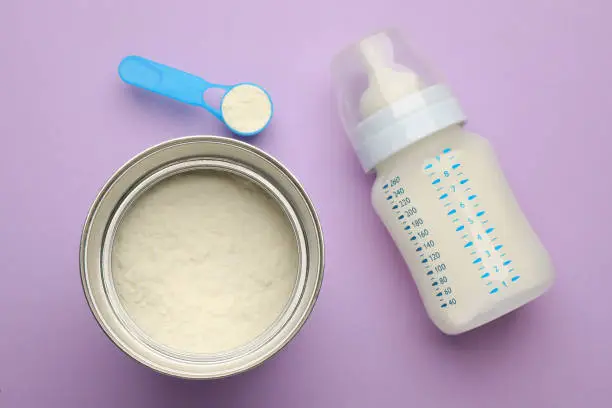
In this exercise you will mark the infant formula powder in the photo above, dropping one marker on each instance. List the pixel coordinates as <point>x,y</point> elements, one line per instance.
<point>246,108</point>
<point>204,262</point>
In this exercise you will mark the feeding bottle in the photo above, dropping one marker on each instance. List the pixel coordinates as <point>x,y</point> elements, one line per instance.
<point>439,189</point>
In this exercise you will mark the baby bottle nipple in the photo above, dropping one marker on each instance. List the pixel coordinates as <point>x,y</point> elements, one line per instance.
<point>388,82</point>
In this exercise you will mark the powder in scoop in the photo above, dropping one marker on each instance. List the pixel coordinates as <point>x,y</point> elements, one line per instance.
<point>246,108</point>
<point>204,262</point>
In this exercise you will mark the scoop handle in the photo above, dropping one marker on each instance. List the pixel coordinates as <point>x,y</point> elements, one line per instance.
<point>167,81</point>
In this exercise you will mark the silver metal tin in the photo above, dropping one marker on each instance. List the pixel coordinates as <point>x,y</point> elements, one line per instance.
<point>158,163</point>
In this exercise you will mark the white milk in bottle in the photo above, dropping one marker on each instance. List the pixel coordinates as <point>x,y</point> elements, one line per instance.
<point>439,189</point>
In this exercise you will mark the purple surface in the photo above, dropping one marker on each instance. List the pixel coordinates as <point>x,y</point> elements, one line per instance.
<point>533,75</point>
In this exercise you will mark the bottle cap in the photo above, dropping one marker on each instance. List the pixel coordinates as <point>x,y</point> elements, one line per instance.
<point>388,97</point>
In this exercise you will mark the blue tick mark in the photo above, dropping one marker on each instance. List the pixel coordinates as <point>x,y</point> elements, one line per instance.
<point>451,212</point>
<point>494,291</point>
<point>498,247</point>
<point>515,278</point>
<point>485,275</point>
<point>455,166</point>
<point>407,227</point>
<point>389,198</point>
<point>424,261</point>
<point>480,213</point>
<point>463,181</point>
<point>386,186</point>
<point>469,244</point>
<point>429,166</point>
<point>443,196</point>
<point>447,150</point>
<point>436,181</point>
<point>460,228</point>
<point>413,238</point>
<point>429,273</point>
<point>473,196</point>
<point>478,260</point>
<point>444,305</point>
<point>434,284</point>
<point>490,230</point>
<point>395,207</point>
<point>507,262</point>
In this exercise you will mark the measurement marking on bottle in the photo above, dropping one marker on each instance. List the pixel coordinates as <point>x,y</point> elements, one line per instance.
<point>425,246</point>
<point>455,191</point>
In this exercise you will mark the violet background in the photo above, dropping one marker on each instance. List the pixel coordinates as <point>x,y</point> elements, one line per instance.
<point>534,76</point>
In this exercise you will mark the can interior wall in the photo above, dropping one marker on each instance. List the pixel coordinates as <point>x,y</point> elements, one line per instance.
<point>177,156</point>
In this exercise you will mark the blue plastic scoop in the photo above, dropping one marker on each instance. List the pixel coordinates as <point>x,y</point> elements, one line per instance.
<point>245,108</point>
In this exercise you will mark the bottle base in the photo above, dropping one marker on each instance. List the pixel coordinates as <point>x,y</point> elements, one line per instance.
<point>502,308</point>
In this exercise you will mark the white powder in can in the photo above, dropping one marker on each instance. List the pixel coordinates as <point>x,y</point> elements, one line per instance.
<point>246,108</point>
<point>204,262</point>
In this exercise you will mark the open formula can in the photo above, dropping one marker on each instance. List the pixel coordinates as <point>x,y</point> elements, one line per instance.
<point>154,166</point>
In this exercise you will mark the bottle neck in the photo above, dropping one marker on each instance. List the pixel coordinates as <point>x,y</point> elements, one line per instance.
<point>386,166</point>
<point>404,123</point>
